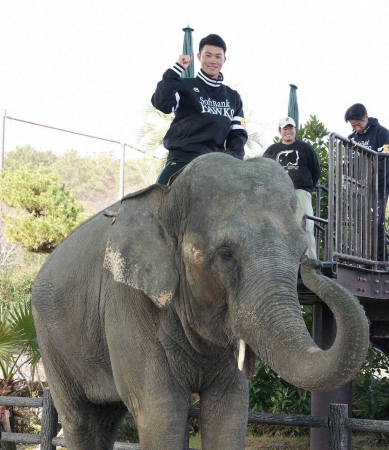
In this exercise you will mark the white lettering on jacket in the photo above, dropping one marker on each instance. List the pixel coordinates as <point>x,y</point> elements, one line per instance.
<point>219,108</point>
<point>365,143</point>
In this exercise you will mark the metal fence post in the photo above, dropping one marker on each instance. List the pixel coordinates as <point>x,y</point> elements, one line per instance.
<point>49,421</point>
<point>2,137</point>
<point>122,166</point>
<point>338,434</point>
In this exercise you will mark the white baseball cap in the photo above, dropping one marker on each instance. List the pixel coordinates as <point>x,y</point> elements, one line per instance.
<point>286,121</point>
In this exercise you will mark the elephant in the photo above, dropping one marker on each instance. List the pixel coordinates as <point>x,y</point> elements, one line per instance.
<point>175,290</point>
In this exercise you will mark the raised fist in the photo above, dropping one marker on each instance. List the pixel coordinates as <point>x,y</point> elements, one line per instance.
<point>184,60</point>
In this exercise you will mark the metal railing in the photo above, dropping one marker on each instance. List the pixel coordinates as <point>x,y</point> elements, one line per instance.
<point>122,143</point>
<point>349,234</point>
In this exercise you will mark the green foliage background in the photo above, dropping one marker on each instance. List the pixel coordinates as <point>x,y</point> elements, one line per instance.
<point>18,340</point>
<point>16,287</point>
<point>93,179</point>
<point>43,211</point>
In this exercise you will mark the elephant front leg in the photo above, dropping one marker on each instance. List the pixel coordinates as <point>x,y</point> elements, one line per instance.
<point>224,414</point>
<point>161,423</point>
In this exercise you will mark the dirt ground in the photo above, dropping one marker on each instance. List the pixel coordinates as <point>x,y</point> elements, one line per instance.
<point>371,442</point>
<point>302,443</point>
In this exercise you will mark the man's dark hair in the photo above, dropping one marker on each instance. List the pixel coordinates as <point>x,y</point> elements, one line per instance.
<point>213,39</point>
<point>355,112</point>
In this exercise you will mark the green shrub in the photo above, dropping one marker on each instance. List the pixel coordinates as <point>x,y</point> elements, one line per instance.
<point>42,211</point>
<point>270,393</point>
<point>371,387</point>
<point>16,287</point>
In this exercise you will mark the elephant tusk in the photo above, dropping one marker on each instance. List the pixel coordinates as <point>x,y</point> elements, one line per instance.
<point>241,354</point>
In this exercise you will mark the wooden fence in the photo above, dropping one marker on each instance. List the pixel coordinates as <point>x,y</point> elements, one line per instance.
<point>338,424</point>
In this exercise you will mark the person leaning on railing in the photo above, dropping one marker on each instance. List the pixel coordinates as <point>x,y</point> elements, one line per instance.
<point>368,132</point>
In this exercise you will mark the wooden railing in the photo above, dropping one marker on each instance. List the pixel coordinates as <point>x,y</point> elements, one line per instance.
<point>337,423</point>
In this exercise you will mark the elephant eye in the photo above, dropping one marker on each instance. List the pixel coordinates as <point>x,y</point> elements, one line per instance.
<point>224,259</point>
<point>225,253</point>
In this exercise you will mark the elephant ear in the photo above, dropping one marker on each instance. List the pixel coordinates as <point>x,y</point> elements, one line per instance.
<point>140,252</point>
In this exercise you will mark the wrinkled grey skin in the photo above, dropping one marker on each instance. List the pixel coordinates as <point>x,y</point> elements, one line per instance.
<point>142,312</point>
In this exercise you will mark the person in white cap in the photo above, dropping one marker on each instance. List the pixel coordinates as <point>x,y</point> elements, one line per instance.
<point>299,159</point>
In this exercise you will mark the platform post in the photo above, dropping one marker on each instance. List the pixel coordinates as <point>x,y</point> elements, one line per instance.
<point>324,332</point>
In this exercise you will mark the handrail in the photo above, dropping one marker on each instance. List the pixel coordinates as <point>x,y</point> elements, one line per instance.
<point>79,134</point>
<point>352,228</point>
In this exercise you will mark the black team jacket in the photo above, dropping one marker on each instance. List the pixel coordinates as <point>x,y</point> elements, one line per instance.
<point>375,136</point>
<point>208,115</point>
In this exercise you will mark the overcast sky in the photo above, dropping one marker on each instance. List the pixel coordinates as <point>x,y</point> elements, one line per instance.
<point>92,66</point>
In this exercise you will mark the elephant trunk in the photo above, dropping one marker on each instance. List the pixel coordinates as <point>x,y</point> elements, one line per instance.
<point>289,349</point>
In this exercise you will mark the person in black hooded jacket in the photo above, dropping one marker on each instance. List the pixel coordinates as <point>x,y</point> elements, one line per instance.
<point>208,115</point>
<point>368,132</point>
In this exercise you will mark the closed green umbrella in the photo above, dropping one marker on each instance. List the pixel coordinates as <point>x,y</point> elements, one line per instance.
<point>293,109</point>
<point>188,50</point>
